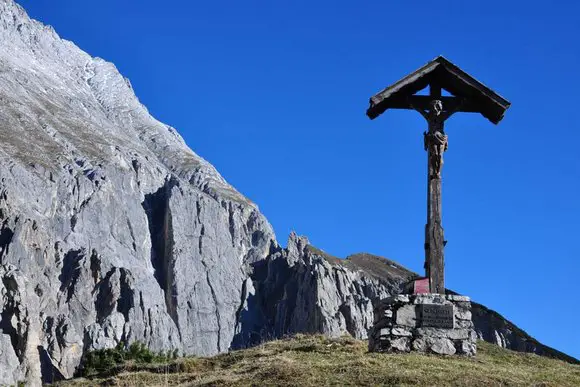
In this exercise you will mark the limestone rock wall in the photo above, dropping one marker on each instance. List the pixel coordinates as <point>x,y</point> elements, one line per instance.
<point>111,228</point>
<point>298,290</point>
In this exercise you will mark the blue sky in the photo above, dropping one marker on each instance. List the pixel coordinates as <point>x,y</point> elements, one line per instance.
<point>274,94</point>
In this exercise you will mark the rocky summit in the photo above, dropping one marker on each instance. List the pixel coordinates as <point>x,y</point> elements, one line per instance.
<point>114,230</point>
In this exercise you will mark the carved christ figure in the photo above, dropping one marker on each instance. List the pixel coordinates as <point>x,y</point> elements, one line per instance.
<point>437,144</point>
<point>435,140</point>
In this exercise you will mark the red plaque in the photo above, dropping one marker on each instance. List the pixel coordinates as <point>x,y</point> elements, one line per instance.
<point>421,285</point>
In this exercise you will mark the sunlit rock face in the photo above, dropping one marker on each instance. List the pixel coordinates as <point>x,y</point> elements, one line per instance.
<point>113,230</point>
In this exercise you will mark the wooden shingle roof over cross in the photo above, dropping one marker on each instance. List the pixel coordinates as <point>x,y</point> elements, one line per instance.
<point>469,95</point>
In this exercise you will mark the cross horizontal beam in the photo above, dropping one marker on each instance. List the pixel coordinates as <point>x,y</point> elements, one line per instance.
<point>423,102</point>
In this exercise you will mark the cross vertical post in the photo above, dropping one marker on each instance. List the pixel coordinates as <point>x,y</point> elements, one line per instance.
<point>434,240</point>
<point>467,95</point>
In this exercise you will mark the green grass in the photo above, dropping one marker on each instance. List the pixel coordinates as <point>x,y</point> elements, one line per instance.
<point>316,360</point>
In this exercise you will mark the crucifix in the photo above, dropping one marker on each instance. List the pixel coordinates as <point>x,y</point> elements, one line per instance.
<point>467,95</point>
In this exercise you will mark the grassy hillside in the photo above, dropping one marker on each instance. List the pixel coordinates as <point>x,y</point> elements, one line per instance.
<point>316,360</point>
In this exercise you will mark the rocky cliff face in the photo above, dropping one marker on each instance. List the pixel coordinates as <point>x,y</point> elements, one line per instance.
<point>112,229</point>
<point>299,289</point>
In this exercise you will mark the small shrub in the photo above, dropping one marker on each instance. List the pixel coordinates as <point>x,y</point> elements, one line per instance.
<point>102,361</point>
<point>108,361</point>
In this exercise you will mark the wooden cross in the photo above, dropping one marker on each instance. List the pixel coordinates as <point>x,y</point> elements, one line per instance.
<point>468,95</point>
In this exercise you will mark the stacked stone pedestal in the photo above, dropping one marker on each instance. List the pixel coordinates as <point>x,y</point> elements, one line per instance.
<point>406,323</point>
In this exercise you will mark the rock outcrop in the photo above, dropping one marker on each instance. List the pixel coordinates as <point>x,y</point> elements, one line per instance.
<point>302,289</point>
<point>112,229</point>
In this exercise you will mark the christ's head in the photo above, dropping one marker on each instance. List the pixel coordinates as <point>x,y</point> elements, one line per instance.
<point>437,107</point>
